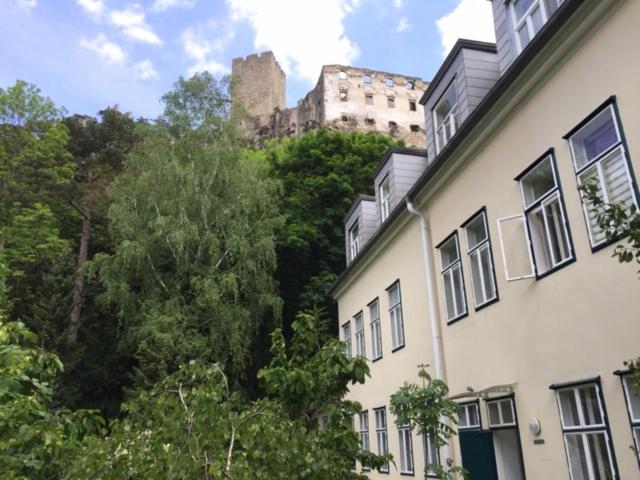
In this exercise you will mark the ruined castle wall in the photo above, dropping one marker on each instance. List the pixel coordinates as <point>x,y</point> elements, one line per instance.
<point>258,85</point>
<point>364,100</point>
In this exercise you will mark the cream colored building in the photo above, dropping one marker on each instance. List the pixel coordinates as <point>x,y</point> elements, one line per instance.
<point>478,257</point>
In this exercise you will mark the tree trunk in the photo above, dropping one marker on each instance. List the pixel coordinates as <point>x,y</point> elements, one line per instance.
<point>78,285</point>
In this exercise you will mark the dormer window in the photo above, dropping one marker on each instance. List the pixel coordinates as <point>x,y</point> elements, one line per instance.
<point>384,198</point>
<point>354,240</point>
<point>528,18</point>
<point>445,116</point>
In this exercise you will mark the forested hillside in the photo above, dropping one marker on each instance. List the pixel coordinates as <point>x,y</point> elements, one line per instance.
<point>179,276</point>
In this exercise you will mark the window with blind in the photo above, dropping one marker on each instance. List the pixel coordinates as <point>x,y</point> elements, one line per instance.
<point>395,315</point>
<point>359,335</point>
<point>376,333</point>
<point>346,338</point>
<point>381,435</point>
<point>406,449</point>
<point>364,433</point>
<point>600,157</point>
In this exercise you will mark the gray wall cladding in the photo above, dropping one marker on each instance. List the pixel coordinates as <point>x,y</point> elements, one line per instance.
<point>474,73</point>
<point>364,212</point>
<point>505,41</point>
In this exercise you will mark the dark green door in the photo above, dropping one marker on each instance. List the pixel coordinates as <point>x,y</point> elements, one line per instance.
<point>478,457</point>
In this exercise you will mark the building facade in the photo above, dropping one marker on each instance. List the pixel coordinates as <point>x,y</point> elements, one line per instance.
<point>491,268</point>
<point>344,98</point>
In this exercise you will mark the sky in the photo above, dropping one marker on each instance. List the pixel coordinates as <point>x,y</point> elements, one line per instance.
<point>89,54</point>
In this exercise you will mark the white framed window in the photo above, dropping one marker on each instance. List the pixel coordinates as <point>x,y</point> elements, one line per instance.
<point>346,338</point>
<point>445,116</point>
<point>586,435</point>
<point>455,301</point>
<point>468,416</point>
<point>364,433</point>
<point>600,156</point>
<point>385,194</point>
<point>528,17</point>
<point>632,397</point>
<point>483,276</point>
<point>376,332</point>
<point>406,449</point>
<point>546,221</point>
<point>395,315</point>
<point>431,454</point>
<point>382,438</point>
<point>501,413</point>
<point>354,239</point>
<point>358,322</point>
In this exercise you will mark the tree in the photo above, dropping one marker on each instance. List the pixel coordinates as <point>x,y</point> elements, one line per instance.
<point>193,223</point>
<point>430,413</point>
<point>322,173</point>
<point>193,425</point>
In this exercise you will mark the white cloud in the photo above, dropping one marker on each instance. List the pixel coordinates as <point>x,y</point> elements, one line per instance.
<point>108,50</point>
<point>471,19</point>
<point>131,21</point>
<point>27,5</point>
<point>162,5</point>
<point>303,34</point>
<point>403,25</point>
<point>204,51</point>
<point>145,70</point>
<point>94,7</point>
<point>398,3</point>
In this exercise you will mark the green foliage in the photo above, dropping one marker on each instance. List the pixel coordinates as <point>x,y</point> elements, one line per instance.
<point>617,220</point>
<point>322,173</point>
<point>192,425</point>
<point>34,438</point>
<point>193,223</point>
<point>429,412</point>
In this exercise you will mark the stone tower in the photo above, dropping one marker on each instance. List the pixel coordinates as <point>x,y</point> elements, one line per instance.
<point>258,85</point>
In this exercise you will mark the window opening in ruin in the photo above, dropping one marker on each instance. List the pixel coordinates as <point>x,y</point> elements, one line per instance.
<point>368,99</point>
<point>344,95</point>
<point>367,78</point>
<point>342,75</point>
<point>393,125</point>
<point>410,85</point>
<point>391,102</point>
<point>345,119</point>
<point>414,128</point>
<point>369,122</point>
<point>388,81</point>
<point>412,105</point>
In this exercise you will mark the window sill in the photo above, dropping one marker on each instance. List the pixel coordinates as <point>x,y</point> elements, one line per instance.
<point>399,347</point>
<point>458,318</point>
<point>407,474</point>
<point>556,268</point>
<point>373,360</point>
<point>487,304</point>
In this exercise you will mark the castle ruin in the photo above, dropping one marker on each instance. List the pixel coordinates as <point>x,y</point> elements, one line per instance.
<point>344,98</point>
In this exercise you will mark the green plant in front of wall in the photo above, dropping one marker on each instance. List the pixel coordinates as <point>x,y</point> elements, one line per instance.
<point>429,412</point>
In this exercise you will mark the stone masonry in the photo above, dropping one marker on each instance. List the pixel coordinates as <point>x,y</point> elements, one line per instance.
<point>344,98</point>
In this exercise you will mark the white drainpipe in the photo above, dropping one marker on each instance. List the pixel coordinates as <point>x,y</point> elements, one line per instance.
<point>434,316</point>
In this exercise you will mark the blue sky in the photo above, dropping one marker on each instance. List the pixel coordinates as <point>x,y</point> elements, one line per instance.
<point>89,54</point>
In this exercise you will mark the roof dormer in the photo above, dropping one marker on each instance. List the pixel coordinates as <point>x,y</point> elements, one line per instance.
<point>359,226</point>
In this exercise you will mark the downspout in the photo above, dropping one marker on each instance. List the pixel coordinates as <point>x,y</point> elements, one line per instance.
<point>434,316</point>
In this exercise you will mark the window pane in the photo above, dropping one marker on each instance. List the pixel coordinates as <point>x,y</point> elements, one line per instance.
<point>590,406</point>
<point>476,232</point>
<point>446,104</point>
<point>636,435</point>
<point>474,419</point>
<point>577,457</point>
<point>462,416</point>
<point>599,454</point>
<point>506,406</point>
<point>477,278</point>
<point>537,20</point>
<point>449,252</point>
<point>458,290</point>
<point>538,182</point>
<point>494,413</point>
<point>593,139</point>
<point>359,325</point>
<point>614,169</point>
<point>394,295</point>
<point>633,396</point>
<point>568,408</point>
<point>449,295</point>
<point>556,231</point>
<point>539,242</point>
<point>523,34</point>
<point>521,7</point>
<point>597,234</point>
<point>487,273</point>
